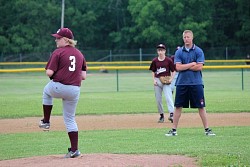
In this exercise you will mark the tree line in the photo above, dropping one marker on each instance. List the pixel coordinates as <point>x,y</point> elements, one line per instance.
<point>26,25</point>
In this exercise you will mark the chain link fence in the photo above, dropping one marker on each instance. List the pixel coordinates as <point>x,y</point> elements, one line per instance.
<point>140,54</point>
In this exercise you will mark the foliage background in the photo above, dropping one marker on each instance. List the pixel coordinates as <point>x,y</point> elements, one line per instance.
<point>26,25</point>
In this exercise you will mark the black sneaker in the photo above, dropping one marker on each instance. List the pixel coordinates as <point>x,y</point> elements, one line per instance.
<point>171,133</point>
<point>209,132</point>
<point>171,119</point>
<point>161,120</point>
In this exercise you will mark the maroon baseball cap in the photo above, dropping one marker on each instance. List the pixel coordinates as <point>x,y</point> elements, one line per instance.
<point>63,32</point>
<point>161,46</point>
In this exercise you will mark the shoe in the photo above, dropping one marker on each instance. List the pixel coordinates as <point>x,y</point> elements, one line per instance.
<point>161,120</point>
<point>43,125</point>
<point>72,154</point>
<point>209,132</point>
<point>171,119</point>
<point>171,133</point>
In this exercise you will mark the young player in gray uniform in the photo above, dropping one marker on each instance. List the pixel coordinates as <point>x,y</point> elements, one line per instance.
<point>66,68</point>
<point>162,66</point>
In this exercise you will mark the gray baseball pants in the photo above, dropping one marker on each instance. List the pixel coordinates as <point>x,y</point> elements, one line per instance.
<point>166,89</point>
<point>69,95</point>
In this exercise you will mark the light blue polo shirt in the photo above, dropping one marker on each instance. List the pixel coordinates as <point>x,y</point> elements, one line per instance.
<point>184,56</point>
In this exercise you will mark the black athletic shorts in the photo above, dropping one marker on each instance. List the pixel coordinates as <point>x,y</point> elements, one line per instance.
<point>190,96</point>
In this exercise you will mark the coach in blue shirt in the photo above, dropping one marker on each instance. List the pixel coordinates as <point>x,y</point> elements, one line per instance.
<point>189,61</point>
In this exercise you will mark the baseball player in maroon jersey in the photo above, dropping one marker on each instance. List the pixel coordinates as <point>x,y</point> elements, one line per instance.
<point>162,66</point>
<point>66,68</point>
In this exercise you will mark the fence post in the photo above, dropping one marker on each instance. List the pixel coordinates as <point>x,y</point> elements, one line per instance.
<point>117,81</point>
<point>242,79</point>
<point>140,50</point>
<point>226,53</point>
<point>20,57</point>
<point>110,55</point>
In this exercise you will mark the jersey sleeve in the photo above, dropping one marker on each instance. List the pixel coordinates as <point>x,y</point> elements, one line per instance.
<point>200,57</point>
<point>52,63</point>
<point>152,66</point>
<point>177,58</point>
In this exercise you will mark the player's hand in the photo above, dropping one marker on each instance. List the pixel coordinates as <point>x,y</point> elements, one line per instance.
<point>155,83</point>
<point>194,63</point>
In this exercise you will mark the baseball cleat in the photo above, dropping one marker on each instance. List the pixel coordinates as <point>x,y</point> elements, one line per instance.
<point>72,154</point>
<point>171,119</point>
<point>161,120</point>
<point>171,133</point>
<point>209,132</point>
<point>43,125</point>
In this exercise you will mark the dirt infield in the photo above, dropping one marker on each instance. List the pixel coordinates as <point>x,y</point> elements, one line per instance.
<point>135,121</point>
<point>103,160</point>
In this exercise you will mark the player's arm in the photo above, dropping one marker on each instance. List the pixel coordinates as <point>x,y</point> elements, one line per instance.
<point>84,70</point>
<point>49,73</point>
<point>183,67</point>
<point>153,76</point>
<point>197,67</point>
<point>172,70</point>
<point>173,75</point>
<point>84,75</point>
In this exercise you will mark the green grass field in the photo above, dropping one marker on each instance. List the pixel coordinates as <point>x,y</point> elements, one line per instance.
<point>21,96</point>
<point>223,93</point>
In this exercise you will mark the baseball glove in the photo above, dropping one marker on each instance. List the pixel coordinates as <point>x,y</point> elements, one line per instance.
<point>165,80</point>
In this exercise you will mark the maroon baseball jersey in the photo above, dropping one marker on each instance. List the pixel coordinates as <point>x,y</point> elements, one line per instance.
<point>162,68</point>
<point>67,63</point>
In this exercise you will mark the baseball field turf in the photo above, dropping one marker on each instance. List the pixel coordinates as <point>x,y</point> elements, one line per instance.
<point>21,96</point>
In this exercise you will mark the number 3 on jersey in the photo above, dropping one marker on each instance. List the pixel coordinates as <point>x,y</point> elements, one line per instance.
<point>72,66</point>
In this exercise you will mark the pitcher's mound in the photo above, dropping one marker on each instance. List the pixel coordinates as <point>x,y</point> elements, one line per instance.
<point>103,160</point>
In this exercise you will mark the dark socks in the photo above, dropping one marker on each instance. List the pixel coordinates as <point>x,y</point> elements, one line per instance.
<point>73,137</point>
<point>171,114</point>
<point>162,115</point>
<point>173,130</point>
<point>46,113</point>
